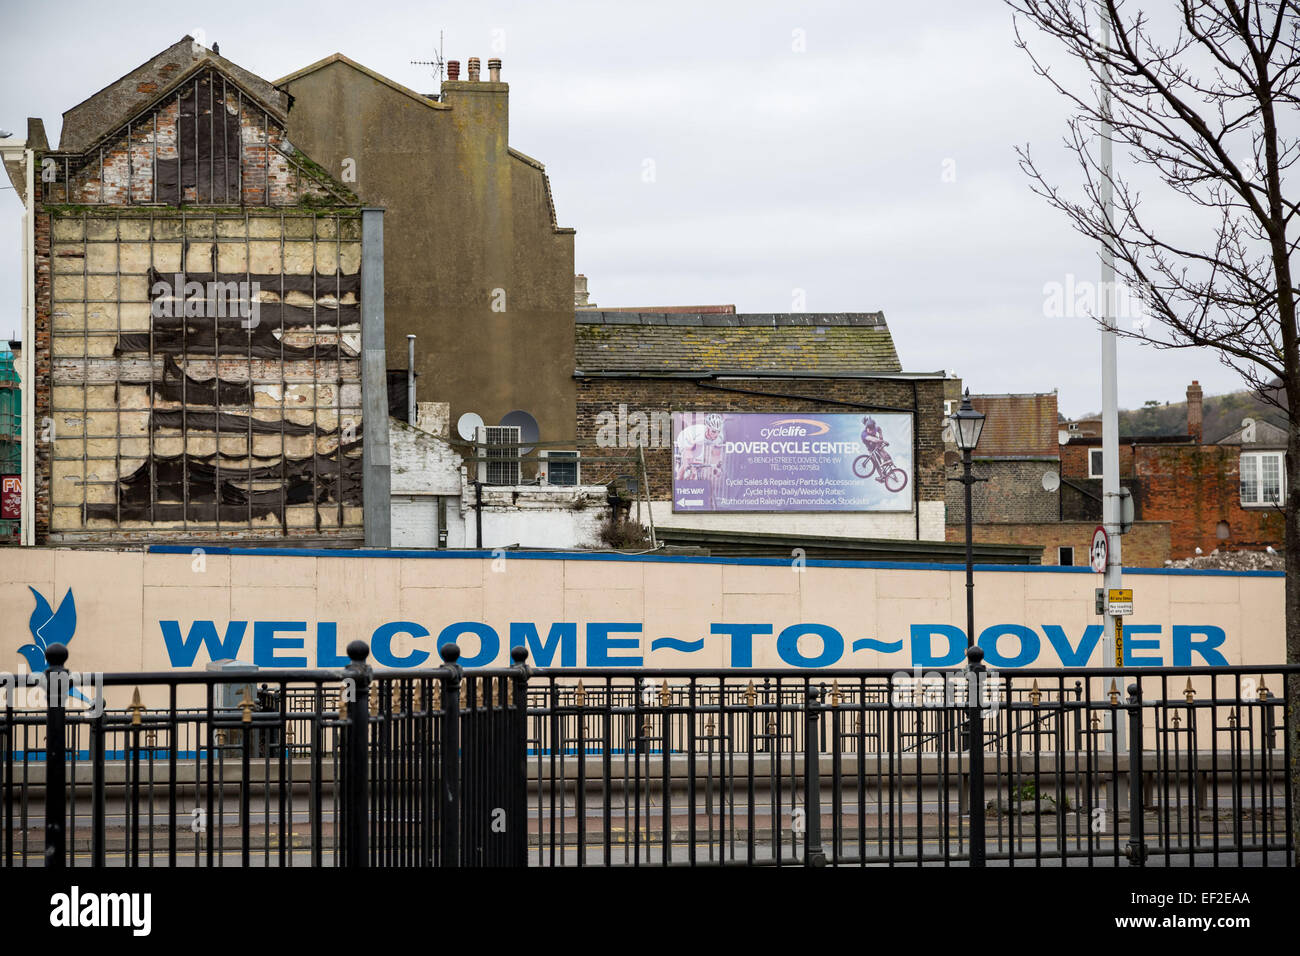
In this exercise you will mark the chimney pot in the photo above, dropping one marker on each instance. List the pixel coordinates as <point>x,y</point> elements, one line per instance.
<point>473,69</point>
<point>494,69</point>
<point>1194,408</point>
<point>453,69</point>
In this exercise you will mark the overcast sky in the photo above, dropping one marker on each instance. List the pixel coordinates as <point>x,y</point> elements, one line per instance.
<point>859,156</point>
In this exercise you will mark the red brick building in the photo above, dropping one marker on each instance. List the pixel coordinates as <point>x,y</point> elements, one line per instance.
<point>1222,494</point>
<point>1022,501</point>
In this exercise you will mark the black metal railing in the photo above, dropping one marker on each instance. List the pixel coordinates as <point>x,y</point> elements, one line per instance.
<point>512,766</point>
<point>320,767</point>
<point>1183,766</point>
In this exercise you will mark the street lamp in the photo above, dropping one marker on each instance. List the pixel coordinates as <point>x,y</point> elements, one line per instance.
<point>967,423</point>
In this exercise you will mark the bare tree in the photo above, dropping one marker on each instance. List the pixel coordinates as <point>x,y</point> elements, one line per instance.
<point>1202,105</point>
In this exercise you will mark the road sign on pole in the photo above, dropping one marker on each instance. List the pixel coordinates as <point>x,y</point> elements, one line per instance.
<point>1100,552</point>
<point>1119,601</point>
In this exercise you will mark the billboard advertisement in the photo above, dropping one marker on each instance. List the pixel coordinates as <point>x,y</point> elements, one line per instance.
<point>725,461</point>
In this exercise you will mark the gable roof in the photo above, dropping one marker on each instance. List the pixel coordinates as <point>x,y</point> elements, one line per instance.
<point>365,70</point>
<point>1018,426</point>
<point>105,111</point>
<point>655,342</point>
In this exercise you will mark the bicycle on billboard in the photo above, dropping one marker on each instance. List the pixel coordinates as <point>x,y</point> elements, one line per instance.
<point>877,460</point>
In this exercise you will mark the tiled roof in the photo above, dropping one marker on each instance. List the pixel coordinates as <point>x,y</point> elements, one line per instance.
<point>116,103</point>
<point>1267,435</point>
<point>1018,426</point>
<point>846,342</point>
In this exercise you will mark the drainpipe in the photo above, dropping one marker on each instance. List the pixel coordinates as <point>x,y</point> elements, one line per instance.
<point>916,459</point>
<point>410,380</point>
<point>376,469</point>
<point>478,514</point>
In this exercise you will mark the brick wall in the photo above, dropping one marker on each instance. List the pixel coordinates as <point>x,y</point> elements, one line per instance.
<point>661,397</point>
<point>1013,493</point>
<point>1146,546</point>
<point>1193,487</point>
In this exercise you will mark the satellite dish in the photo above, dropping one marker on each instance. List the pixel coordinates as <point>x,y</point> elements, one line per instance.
<point>1051,481</point>
<point>467,426</point>
<point>527,425</point>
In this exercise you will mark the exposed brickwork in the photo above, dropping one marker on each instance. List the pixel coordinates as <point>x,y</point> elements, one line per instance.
<point>1146,546</point>
<point>262,155</point>
<point>662,396</point>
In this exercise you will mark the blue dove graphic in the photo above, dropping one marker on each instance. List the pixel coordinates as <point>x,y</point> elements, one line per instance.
<point>50,627</point>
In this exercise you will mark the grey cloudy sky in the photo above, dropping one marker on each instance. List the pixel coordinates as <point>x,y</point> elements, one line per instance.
<point>775,169</point>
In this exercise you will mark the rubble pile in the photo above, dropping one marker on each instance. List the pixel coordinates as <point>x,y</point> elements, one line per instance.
<point>1233,561</point>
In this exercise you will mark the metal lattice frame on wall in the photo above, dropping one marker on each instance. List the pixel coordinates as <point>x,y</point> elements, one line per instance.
<point>206,424</point>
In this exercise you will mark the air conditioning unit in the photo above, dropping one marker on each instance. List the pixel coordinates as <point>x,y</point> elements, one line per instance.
<point>499,444</point>
<point>560,468</point>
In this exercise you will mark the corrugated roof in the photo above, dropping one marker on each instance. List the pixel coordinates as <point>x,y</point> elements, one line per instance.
<point>1018,426</point>
<point>848,342</point>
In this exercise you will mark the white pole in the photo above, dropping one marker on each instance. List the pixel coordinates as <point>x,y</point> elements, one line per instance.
<point>1110,390</point>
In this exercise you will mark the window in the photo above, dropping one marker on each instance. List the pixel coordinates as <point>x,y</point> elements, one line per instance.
<point>502,454</point>
<point>1065,557</point>
<point>1094,463</point>
<point>1263,479</point>
<point>560,468</point>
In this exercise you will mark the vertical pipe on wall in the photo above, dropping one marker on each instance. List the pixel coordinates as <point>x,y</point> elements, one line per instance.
<point>410,380</point>
<point>375,488</point>
<point>916,460</point>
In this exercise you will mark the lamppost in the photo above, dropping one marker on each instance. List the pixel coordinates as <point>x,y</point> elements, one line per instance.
<point>967,423</point>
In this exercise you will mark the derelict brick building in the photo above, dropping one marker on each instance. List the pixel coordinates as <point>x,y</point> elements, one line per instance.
<point>197,317</point>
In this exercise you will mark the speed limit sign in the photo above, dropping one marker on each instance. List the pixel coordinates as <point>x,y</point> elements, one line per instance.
<point>1100,550</point>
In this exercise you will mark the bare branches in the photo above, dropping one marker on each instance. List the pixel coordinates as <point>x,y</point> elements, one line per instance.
<point>1204,104</point>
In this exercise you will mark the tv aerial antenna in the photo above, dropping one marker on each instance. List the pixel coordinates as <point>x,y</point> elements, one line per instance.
<point>437,62</point>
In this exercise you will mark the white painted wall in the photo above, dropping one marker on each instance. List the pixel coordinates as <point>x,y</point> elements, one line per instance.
<point>422,463</point>
<point>534,516</point>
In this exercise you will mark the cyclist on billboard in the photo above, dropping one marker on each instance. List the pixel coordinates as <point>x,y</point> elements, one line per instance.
<point>877,460</point>
<point>874,439</point>
<point>695,442</point>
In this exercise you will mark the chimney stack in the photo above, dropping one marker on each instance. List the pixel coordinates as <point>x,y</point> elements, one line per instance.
<point>473,69</point>
<point>453,70</point>
<point>1194,411</point>
<point>494,70</point>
